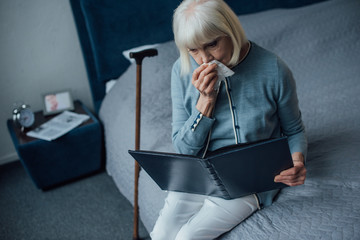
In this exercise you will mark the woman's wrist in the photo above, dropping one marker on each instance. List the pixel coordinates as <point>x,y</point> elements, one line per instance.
<point>297,158</point>
<point>206,105</point>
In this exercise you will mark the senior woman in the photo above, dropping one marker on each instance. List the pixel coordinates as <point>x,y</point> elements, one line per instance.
<point>257,102</point>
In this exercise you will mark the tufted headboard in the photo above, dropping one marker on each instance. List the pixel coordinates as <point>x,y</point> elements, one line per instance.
<point>108,27</point>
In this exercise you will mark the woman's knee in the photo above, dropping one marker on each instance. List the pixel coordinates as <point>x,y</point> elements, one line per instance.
<point>239,207</point>
<point>177,210</point>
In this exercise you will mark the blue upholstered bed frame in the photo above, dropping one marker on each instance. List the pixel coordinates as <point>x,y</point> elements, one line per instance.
<point>108,27</point>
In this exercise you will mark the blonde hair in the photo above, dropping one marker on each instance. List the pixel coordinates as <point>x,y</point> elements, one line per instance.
<point>196,22</point>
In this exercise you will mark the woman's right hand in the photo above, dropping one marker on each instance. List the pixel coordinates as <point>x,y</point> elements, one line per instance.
<point>204,79</point>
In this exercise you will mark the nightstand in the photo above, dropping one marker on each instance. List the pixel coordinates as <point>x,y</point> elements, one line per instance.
<point>74,155</point>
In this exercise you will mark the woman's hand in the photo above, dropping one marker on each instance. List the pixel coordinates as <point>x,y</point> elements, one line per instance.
<point>296,175</point>
<point>204,79</point>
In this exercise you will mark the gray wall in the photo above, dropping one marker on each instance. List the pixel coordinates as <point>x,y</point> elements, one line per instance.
<point>39,53</point>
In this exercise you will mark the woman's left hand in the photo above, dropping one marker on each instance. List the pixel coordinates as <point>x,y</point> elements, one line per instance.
<point>296,175</point>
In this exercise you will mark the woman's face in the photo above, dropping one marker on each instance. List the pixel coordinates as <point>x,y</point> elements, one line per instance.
<point>220,49</point>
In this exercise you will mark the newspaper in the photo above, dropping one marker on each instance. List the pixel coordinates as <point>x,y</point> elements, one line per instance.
<point>58,126</point>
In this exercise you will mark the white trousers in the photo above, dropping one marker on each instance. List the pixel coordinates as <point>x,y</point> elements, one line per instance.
<point>190,216</point>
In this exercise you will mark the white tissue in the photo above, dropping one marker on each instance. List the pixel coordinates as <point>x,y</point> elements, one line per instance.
<point>223,72</point>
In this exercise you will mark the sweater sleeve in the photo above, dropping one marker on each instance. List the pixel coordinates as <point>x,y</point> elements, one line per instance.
<point>289,112</point>
<point>189,128</point>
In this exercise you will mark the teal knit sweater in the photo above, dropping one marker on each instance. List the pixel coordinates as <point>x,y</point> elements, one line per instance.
<point>258,102</point>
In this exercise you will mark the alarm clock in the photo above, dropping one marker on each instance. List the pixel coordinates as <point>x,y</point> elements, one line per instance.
<point>23,116</point>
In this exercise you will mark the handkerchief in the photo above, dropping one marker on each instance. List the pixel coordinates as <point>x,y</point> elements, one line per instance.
<point>223,72</point>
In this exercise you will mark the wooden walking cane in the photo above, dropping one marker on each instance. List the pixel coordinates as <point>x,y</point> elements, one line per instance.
<point>138,56</point>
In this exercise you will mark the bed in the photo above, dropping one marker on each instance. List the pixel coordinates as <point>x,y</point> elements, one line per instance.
<point>319,40</point>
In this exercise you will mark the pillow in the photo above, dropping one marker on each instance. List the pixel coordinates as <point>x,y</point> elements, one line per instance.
<point>109,84</point>
<point>137,49</point>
